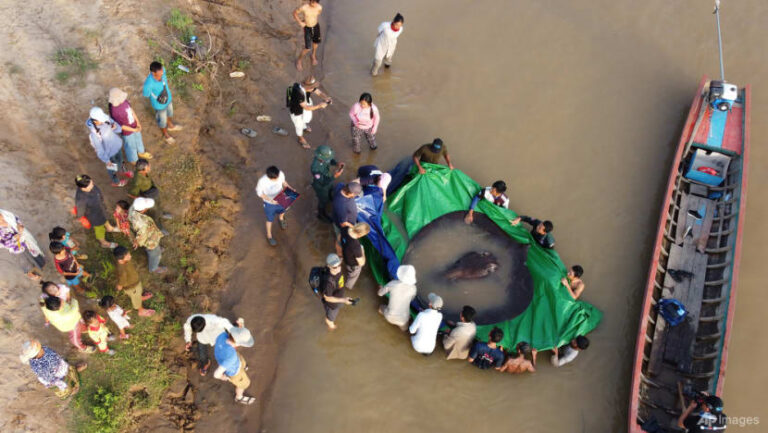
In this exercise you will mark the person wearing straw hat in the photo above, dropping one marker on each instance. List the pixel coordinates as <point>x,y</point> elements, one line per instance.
<point>103,134</point>
<point>232,366</point>
<point>120,110</point>
<point>353,253</point>
<point>300,106</point>
<point>401,292</point>
<point>51,369</point>
<point>424,328</point>
<point>148,235</point>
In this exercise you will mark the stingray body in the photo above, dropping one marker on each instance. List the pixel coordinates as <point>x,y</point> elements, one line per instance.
<point>472,265</point>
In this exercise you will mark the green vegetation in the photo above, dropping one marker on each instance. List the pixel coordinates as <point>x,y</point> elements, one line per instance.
<point>182,23</point>
<point>198,86</point>
<point>73,63</point>
<point>243,64</point>
<point>177,78</point>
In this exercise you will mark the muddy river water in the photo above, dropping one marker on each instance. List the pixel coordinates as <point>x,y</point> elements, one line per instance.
<point>578,107</point>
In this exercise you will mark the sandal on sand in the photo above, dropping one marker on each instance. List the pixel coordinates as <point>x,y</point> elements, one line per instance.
<point>283,224</point>
<point>272,241</point>
<point>248,132</point>
<point>246,400</point>
<point>145,155</point>
<point>279,131</point>
<point>175,127</point>
<point>120,184</point>
<point>170,140</point>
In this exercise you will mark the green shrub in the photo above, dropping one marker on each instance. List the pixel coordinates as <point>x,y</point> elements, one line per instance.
<point>182,24</point>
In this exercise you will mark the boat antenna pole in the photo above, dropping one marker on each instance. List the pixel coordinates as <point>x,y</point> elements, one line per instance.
<point>719,38</point>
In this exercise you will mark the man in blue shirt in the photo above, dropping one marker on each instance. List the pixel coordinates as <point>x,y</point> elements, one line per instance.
<point>231,364</point>
<point>157,90</point>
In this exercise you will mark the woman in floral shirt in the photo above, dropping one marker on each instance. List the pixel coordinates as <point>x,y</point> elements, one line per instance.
<point>51,369</point>
<point>21,244</point>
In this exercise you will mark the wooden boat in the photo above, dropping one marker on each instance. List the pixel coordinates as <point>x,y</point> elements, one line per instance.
<point>700,232</point>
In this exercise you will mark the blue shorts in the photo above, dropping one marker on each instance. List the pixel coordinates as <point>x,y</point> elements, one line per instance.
<point>162,116</point>
<point>133,146</point>
<point>272,209</point>
<point>74,281</point>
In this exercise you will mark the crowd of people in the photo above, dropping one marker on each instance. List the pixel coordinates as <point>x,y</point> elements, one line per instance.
<point>137,221</point>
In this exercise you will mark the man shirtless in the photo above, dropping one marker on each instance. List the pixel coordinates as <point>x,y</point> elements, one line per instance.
<point>573,281</point>
<point>517,362</point>
<point>311,12</point>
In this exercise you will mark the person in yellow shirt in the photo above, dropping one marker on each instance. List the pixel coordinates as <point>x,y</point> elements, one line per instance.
<point>65,316</point>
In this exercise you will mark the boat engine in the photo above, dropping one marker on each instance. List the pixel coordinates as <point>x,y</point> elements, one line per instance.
<point>722,95</point>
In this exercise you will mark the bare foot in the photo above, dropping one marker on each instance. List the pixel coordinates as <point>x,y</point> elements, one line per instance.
<point>314,61</point>
<point>299,67</point>
<point>330,324</point>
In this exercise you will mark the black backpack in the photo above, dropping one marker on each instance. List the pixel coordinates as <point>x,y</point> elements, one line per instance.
<point>291,92</point>
<point>316,277</point>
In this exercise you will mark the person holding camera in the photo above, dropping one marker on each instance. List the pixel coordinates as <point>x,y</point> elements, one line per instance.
<point>332,286</point>
<point>704,412</point>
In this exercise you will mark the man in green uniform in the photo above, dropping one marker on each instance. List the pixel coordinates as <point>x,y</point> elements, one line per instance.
<point>322,179</point>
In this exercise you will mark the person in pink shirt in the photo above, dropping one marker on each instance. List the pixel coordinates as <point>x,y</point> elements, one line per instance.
<point>365,122</point>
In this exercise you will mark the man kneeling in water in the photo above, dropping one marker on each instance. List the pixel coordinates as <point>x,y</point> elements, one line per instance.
<point>518,363</point>
<point>494,194</point>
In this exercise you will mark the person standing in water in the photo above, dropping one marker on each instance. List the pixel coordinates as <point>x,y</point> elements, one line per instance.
<point>365,122</point>
<point>386,42</point>
<point>311,26</point>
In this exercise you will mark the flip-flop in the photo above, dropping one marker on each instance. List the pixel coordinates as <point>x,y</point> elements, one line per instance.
<point>272,241</point>
<point>248,132</point>
<point>246,400</point>
<point>283,224</point>
<point>264,118</point>
<point>279,131</point>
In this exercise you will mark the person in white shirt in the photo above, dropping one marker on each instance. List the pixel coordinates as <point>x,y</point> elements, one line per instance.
<point>570,351</point>
<point>424,328</point>
<point>386,42</point>
<point>401,293</point>
<point>459,341</point>
<point>270,186</point>
<point>117,314</point>
<point>206,327</point>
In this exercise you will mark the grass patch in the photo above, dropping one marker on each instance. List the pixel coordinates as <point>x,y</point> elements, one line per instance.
<point>182,24</point>
<point>198,86</point>
<point>73,63</point>
<point>181,177</point>
<point>113,388</point>
<point>177,79</point>
<point>243,64</point>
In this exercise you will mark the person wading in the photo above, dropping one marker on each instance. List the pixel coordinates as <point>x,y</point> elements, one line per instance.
<point>386,42</point>
<point>365,122</point>
<point>322,179</point>
<point>311,12</point>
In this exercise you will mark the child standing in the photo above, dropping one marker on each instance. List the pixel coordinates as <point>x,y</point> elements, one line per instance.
<point>117,314</point>
<point>121,219</point>
<point>68,266</point>
<point>61,235</point>
<point>128,280</point>
<point>98,332</point>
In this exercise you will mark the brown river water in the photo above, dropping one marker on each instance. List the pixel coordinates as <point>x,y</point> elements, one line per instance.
<point>578,107</point>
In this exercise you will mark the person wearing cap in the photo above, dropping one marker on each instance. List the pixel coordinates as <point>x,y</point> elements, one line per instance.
<point>431,153</point>
<point>207,327</point>
<point>103,134</point>
<point>540,230</point>
<point>365,118</point>
<point>372,176</point>
<point>300,106</point>
<point>268,187</point>
<point>386,42</point>
<point>51,369</point>
<point>332,288</point>
<point>128,280</point>
<point>120,110</point>
<point>425,326</point>
<point>232,366</point>
<point>89,204</point>
<point>517,361</point>
<point>345,209</point>
<point>401,292</point>
<point>142,185</point>
<point>703,415</point>
<point>148,235</point>
<point>353,253</point>
<point>459,341</point>
<point>494,194</point>
<point>159,93</point>
<point>487,355</point>
<point>322,179</point>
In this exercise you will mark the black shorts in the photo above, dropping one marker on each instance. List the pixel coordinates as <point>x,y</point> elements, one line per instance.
<point>311,35</point>
<point>330,312</point>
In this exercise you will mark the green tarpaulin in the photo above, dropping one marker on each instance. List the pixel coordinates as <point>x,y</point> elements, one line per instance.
<point>552,319</point>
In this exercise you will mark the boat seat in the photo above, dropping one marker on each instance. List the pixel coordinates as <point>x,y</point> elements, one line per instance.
<point>695,221</point>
